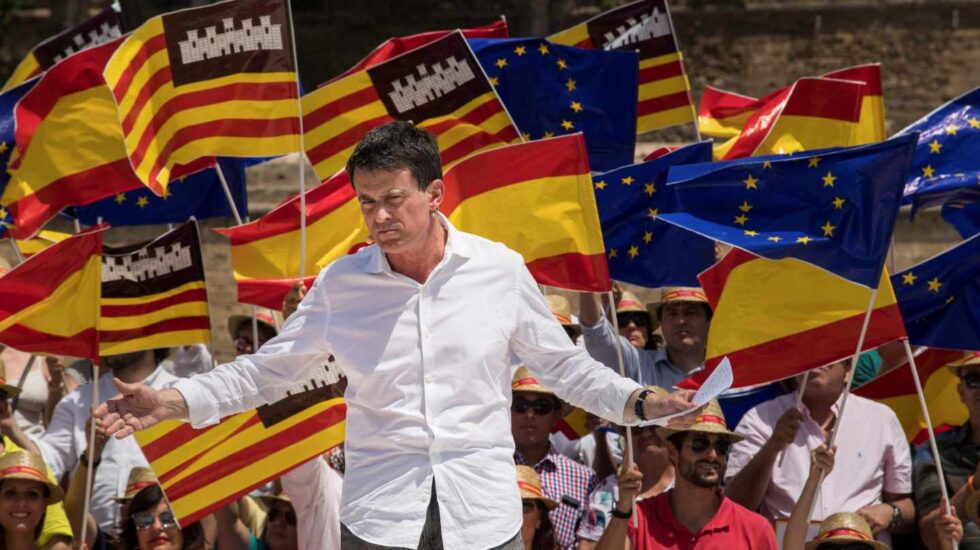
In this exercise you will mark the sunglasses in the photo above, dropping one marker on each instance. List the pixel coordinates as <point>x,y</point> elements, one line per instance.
<point>701,444</point>
<point>639,319</point>
<point>539,406</point>
<point>971,381</point>
<point>275,513</point>
<point>145,520</point>
<point>528,505</point>
<point>242,344</point>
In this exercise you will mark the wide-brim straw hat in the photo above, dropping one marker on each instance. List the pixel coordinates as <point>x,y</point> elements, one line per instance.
<point>524,381</point>
<point>266,500</point>
<point>672,294</point>
<point>529,484</point>
<point>843,528</point>
<point>10,391</point>
<point>711,420</point>
<point>140,478</point>
<point>31,467</point>
<point>968,359</point>
<point>264,317</point>
<point>562,311</point>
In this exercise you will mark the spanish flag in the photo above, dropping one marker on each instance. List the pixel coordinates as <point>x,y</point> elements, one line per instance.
<point>202,470</point>
<point>199,82</point>
<point>50,302</point>
<point>537,199</point>
<point>572,425</point>
<point>811,113</point>
<point>154,294</point>
<point>265,253</point>
<point>44,239</point>
<point>896,389</point>
<point>777,318</point>
<point>644,26</point>
<point>440,87</point>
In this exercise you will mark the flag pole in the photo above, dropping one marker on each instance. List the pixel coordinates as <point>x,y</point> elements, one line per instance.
<point>928,420</point>
<point>628,458</point>
<point>302,149</point>
<point>231,199</point>
<point>89,454</point>
<point>847,387</point>
<point>17,252</point>
<point>690,94</point>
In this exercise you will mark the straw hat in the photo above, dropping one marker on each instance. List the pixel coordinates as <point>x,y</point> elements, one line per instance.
<point>140,478</point>
<point>842,528</point>
<point>530,486</point>
<point>971,358</point>
<point>263,316</point>
<point>562,311</point>
<point>266,500</point>
<point>29,466</point>
<point>629,302</point>
<point>711,420</point>
<point>10,391</point>
<point>524,381</point>
<point>679,294</point>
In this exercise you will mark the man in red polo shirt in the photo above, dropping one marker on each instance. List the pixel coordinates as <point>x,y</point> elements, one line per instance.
<point>694,514</point>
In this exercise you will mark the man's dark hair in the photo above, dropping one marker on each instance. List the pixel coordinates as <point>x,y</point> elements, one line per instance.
<point>398,146</point>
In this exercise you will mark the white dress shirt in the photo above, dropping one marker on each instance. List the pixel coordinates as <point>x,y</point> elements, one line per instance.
<point>66,439</point>
<point>429,374</point>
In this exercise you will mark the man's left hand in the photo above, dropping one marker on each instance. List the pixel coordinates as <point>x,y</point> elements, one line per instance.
<point>878,516</point>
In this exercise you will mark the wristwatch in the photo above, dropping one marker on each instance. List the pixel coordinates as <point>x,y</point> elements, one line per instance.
<point>896,516</point>
<point>638,406</point>
<point>622,515</point>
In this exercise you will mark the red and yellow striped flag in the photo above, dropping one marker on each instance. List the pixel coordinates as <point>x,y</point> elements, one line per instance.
<point>202,470</point>
<point>811,113</point>
<point>154,294</point>
<point>214,80</point>
<point>777,318</point>
<point>265,253</point>
<point>572,425</point>
<point>537,199</point>
<point>644,26</point>
<point>440,87</point>
<point>50,302</point>
<point>44,239</point>
<point>896,389</point>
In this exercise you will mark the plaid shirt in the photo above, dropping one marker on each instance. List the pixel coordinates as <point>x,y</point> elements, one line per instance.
<point>563,477</point>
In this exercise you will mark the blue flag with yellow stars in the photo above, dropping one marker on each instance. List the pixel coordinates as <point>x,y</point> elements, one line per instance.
<point>199,195</point>
<point>833,208</point>
<point>550,90</point>
<point>940,298</point>
<point>964,215</point>
<point>946,164</point>
<point>641,249</point>
<point>8,100</point>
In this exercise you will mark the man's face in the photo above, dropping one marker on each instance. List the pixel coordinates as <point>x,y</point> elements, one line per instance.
<point>397,213</point>
<point>243,343</point>
<point>648,443</point>
<point>702,458</point>
<point>827,381</point>
<point>685,325</point>
<point>634,326</point>
<point>123,360</point>
<point>532,415</point>
<point>970,396</point>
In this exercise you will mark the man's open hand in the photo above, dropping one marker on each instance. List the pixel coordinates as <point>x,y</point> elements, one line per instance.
<point>137,407</point>
<point>659,406</point>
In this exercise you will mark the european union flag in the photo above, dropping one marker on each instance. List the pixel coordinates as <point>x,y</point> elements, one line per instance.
<point>8,100</point>
<point>550,90</point>
<point>940,298</point>
<point>964,215</point>
<point>834,208</point>
<point>945,164</point>
<point>641,249</point>
<point>199,195</point>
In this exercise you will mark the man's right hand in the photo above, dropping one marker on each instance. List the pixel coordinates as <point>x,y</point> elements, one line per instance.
<point>137,407</point>
<point>786,429</point>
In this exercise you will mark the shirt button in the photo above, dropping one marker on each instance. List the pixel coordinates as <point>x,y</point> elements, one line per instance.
<point>429,378</point>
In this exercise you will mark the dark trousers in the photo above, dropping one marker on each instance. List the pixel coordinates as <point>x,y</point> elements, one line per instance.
<point>431,538</point>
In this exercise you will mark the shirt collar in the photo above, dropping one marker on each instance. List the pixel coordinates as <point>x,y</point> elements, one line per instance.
<point>456,245</point>
<point>549,458</point>
<point>720,521</point>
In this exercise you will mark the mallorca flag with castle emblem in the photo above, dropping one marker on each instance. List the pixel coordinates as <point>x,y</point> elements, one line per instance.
<point>643,26</point>
<point>49,303</point>
<point>537,199</point>
<point>440,87</point>
<point>214,80</point>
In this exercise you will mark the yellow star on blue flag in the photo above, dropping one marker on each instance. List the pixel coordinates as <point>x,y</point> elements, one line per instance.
<point>845,228</point>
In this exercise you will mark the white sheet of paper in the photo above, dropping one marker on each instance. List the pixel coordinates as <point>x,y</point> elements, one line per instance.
<point>720,380</point>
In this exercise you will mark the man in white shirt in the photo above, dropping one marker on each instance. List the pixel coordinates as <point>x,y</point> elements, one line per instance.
<point>66,440</point>
<point>429,449</point>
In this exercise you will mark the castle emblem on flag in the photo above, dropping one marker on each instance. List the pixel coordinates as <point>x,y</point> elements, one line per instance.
<point>650,26</point>
<point>410,92</point>
<point>147,263</point>
<point>266,36</point>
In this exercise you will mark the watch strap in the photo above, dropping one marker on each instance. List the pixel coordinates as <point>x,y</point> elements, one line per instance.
<point>638,406</point>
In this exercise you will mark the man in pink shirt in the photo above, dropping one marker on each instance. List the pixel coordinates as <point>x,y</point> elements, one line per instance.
<point>873,472</point>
